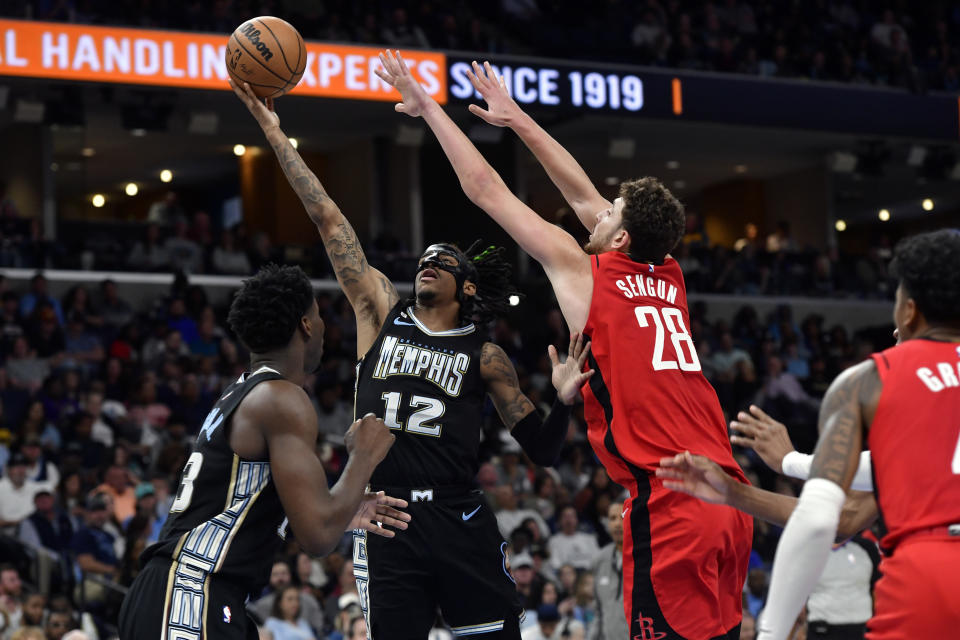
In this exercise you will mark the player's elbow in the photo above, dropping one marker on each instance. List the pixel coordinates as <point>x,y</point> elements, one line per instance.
<point>321,543</point>
<point>479,186</point>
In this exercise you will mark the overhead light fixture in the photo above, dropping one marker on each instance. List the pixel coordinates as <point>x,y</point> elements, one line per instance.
<point>294,143</point>
<point>131,189</point>
<point>88,152</point>
<point>884,214</point>
<point>166,175</point>
<point>841,225</point>
<point>927,204</point>
<point>239,149</point>
<point>98,200</point>
<point>740,168</point>
<point>138,132</point>
<point>514,300</point>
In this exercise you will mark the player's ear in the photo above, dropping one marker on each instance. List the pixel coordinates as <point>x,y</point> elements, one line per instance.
<point>306,326</point>
<point>469,288</point>
<point>621,240</point>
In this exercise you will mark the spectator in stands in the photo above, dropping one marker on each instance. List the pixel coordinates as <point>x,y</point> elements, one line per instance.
<point>280,579</point>
<point>333,413</point>
<point>82,347</point>
<point>609,623</point>
<point>40,468</point>
<point>166,212</point>
<point>49,526</point>
<point>569,546</point>
<point>748,627</point>
<point>149,254</point>
<point>185,254</point>
<point>45,334</point>
<point>286,621</point>
<point>38,296</point>
<point>59,623</point>
<point>93,548</point>
<point>77,303</point>
<point>528,582</point>
<point>548,617</point>
<point>227,258</point>
<point>509,516</point>
<point>115,311</point>
<point>117,485</point>
<point>16,494</point>
<point>11,595</point>
<point>34,605</point>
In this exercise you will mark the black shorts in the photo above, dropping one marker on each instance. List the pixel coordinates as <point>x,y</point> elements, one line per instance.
<point>451,557</point>
<point>164,602</point>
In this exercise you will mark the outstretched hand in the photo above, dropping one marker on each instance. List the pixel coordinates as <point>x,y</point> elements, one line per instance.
<point>397,75</point>
<point>764,435</point>
<point>501,110</point>
<point>378,509</point>
<point>569,376</point>
<point>697,476</point>
<point>262,110</point>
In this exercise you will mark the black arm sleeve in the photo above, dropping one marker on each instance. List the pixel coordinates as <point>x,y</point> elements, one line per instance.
<point>542,439</point>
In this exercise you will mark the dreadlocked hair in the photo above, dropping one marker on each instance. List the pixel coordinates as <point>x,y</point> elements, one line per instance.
<point>494,286</point>
<point>266,311</point>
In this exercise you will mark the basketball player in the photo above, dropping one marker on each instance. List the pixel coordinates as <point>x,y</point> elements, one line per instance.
<point>685,560</point>
<point>255,461</point>
<point>425,366</point>
<point>907,399</point>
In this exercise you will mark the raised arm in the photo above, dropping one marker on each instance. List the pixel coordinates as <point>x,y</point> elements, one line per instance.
<point>565,263</point>
<point>805,544</point>
<point>371,294</point>
<point>563,169</point>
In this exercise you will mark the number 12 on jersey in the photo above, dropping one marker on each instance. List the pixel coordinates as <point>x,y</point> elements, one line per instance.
<point>419,421</point>
<point>672,319</point>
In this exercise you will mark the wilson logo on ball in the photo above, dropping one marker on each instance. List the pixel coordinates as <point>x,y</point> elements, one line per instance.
<point>253,35</point>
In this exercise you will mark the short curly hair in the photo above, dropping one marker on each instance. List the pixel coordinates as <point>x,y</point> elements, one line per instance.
<point>653,217</point>
<point>267,309</point>
<point>927,265</point>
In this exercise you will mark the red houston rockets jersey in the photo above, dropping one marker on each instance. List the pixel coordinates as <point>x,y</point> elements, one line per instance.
<point>915,437</point>
<point>648,398</point>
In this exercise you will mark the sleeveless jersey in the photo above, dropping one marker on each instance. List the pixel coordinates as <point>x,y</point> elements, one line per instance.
<point>427,387</point>
<point>914,438</point>
<point>226,517</point>
<point>648,398</point>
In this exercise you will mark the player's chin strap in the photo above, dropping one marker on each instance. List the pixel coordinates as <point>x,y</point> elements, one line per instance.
<point>542,438</point>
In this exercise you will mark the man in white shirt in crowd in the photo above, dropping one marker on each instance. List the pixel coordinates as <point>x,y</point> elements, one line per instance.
<point>16,494</point>
<point>509,517</point>
<point>569,546</point>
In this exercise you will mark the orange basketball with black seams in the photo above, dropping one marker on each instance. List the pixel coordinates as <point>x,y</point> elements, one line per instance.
<point>269,54</point>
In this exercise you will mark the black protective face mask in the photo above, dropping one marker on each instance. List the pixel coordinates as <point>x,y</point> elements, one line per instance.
<point>464,269</point>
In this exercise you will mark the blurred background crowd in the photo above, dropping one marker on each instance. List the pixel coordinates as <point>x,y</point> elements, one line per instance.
<point>912,45</point>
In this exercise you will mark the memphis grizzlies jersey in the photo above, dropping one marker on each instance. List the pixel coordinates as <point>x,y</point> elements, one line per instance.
<point>426,386</point>
<point>226,514</point>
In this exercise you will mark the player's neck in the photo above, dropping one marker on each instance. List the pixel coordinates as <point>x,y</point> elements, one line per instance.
<point>939,332</point>
<point>289,365</point>
<point>442,317</point>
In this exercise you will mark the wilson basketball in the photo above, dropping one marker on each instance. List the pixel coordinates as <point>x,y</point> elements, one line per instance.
<point>269,54</point>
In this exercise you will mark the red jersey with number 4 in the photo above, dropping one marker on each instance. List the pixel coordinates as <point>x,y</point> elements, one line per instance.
<point>648,398</point>
<point>915,438</point>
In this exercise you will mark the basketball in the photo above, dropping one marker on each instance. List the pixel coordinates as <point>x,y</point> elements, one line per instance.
<point>269,54</point>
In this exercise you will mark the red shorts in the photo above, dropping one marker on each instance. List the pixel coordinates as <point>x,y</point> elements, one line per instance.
<point>917,596</point>
<point>685,562</point>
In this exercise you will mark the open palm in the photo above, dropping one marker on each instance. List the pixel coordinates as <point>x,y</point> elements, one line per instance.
<point>501,109</point>
<point>568,376</point>
<point>397,75</point>
<point>378,509</point>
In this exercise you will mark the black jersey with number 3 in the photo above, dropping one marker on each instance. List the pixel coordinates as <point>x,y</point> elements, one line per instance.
<point>226,516</point>
<point>426,385</point>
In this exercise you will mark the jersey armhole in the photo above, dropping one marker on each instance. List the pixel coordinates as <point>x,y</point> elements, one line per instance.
<point>882,363</point>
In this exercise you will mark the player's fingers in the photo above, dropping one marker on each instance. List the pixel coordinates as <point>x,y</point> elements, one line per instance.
<point>402,63</point>
<point>373,527</point>
<point>745,417</point>
<point>400,107</point>
<point>383,498</point>
<point>269,103</point>
<point>746,429</point>
<point>479,112</point>
<point>554,356</point>
<point>479,74</point>
<point>586,375</point>
<point>382,74</point>
<point>390,512</point>
<point>583,354</point>
<point>489,69</point>
<point>742,442</point>
<point>759,413</point>
<point>393,522</point>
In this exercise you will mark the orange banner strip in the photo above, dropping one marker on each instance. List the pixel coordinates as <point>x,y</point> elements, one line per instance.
<point>677,96</point>
<point>193,60</point>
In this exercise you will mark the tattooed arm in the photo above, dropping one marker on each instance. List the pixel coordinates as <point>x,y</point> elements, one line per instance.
<point>503,386</point>
<point>804,546</point>
<point>370,293</point>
